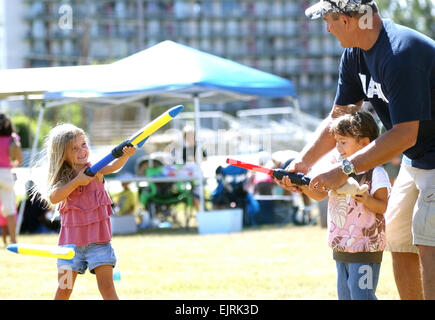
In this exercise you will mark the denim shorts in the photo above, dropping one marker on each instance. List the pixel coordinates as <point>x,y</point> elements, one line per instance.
<point>357,281</point>
<point>90,256</point>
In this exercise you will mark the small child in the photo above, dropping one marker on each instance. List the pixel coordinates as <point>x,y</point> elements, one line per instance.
<point>84,207</point>
<point>125,200</point>
<point>356,224</point>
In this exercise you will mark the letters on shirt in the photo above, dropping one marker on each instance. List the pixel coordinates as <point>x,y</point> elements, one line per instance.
<point>373,89</point>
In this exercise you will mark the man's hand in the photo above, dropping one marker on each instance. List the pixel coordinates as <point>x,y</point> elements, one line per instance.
<point>332,179</point>
<point>296,165</point>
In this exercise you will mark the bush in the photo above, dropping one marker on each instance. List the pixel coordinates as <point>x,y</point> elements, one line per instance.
<point>26,129</point>
<point>22,126</point>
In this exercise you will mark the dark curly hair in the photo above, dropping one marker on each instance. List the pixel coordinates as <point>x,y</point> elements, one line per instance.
<point>358,124</point>
<point>6,128</point>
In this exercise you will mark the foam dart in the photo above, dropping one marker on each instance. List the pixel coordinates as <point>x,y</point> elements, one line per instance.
<point>137,139</point>
<point>41,250</point>
<point>296,177</point>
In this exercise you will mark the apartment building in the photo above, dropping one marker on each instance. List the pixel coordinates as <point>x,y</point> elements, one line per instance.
<point>270,35</point>
<point>12,44</point>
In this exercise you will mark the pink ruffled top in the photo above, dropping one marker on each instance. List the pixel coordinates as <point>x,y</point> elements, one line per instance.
<point>353,228</point>
<point>85,216</point>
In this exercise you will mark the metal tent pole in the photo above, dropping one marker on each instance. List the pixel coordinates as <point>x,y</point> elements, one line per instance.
<point>198,151</point>
<point>31,164</point>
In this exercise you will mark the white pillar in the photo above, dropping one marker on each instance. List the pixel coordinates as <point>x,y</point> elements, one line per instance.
<point>198,151</point>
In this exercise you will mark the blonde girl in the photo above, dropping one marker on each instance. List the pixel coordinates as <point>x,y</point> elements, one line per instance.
<point>84,207</point>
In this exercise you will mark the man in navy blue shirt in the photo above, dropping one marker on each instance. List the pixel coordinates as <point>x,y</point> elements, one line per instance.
<point>393,67</point>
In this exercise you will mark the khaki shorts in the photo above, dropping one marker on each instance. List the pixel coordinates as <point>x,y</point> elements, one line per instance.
<point>7,194</point>
<point>410,216</point>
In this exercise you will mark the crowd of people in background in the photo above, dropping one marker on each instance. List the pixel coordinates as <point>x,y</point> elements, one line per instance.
<point>390,66</point>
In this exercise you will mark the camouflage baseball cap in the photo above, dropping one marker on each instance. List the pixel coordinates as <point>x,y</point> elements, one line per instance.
<point>338,6</point>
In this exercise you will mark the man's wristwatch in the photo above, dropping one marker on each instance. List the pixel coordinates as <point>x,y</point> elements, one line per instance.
<point>347,167</point>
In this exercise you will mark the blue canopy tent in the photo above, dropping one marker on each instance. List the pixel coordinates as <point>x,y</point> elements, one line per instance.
<point>168,70</point>
<point>174,70</point>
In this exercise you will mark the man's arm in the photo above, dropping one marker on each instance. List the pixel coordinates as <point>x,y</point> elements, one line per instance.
<point>320,146</point>
<point>389,145</point>
<point>323,141</point>
<point>315,149</point>
<point>392,143</point>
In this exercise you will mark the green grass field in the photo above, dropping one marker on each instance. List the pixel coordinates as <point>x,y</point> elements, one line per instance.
<point>270,263</point>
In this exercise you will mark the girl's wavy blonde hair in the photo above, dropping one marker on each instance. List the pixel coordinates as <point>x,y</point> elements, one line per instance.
<point>60,171</point>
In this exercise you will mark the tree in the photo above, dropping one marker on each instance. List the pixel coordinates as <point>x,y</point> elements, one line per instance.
<point>26,125</point>
<point>416,14</point>
<point>71,113</point>
<point>26,129</point>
